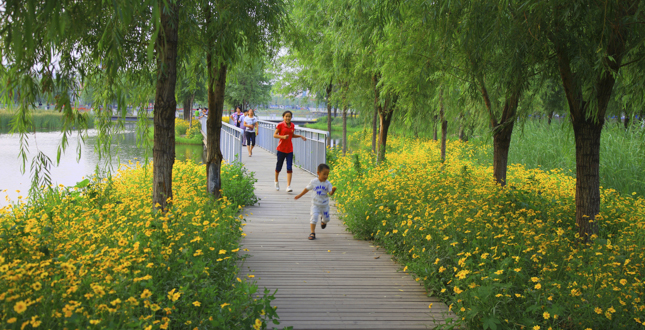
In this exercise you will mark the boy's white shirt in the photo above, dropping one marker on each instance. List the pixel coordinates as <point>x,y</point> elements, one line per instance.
<point>321,191</point>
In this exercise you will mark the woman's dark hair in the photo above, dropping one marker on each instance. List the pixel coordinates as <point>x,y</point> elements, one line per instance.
<point>322,167</point>
<point>286,112</point>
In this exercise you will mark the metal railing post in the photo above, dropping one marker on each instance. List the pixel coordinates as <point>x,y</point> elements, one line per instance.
<point>307,154</point>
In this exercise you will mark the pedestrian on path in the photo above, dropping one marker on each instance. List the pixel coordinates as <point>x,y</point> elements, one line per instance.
<point>244,115</point>
<point>320,199</point>
<point>237,116</point>
<point>285,131</point>
<point>250,130</point>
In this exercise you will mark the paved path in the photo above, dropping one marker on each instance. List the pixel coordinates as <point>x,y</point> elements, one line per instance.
<point>333,282</point>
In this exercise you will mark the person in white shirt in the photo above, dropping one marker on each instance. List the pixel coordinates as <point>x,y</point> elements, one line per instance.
<point>250,130</point>
<point>320,200</point>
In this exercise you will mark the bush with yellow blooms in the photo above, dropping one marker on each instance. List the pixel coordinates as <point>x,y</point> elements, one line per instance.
<point>97,256</point>
<point>501,258</point>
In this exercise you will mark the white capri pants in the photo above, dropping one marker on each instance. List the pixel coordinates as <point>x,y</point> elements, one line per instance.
<point>318,211</point>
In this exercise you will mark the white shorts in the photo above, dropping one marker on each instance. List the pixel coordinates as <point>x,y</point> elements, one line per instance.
<point>318,211</point>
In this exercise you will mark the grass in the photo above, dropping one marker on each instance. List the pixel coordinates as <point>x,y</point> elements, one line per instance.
<point>42,119</point>
<point>353,125</point>
<point>500,258</point>
<point>96,256</point>
<point>539,145</point>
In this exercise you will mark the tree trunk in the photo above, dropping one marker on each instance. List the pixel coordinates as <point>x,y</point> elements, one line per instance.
<point>385,116</point>
<point>626,121</point>
<point>444,128</point>
<point>165,107</point>
<point>329,89</point>
<point>502,131</point>
<point>344,129</point>
<point>335,112</point>
<point>216,89</point>
<point>501,145</point>
<point>587,128</point>
<point>188,105</point>
<point>550,117</point>
<point>376,112</point>
<point>587,136</point>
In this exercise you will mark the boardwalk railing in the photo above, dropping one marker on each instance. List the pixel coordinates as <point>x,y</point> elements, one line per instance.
<point>230,141</point>
<point>306,154</point>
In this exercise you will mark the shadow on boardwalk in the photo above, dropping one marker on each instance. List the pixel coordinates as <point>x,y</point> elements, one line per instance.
<point>333,282</point>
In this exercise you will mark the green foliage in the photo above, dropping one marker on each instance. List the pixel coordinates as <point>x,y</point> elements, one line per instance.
<point>240,191</point>
<point>505,258</point>
<point>140,267</point>
<point>40,119</point>
<point>248,84</point>
<point>539,145</point>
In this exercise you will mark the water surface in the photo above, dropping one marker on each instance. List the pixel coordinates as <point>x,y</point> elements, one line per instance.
<point>71,170</point>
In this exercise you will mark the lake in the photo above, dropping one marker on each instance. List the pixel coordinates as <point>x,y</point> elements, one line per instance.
<point>69,171</point>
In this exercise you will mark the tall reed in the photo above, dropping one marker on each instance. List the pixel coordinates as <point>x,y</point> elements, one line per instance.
<point>537,144</point>
<point>42,119</point>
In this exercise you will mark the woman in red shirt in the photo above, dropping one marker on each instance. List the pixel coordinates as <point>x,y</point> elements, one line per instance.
<point>285,131</point>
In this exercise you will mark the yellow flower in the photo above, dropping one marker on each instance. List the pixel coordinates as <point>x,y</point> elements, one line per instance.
<point>95,321</point>
<point>430,306</point>
<point>224,305</point>
<point>146,293</point>
<point>36,286</point>
<point>20,307</point>
<point>623,281</point>
<point>535,279</point>
<point>537,327</point>
<point>12,320</point>
<point>538,286</point>
<point>197,303</point>
<point>499,272</point>
<point>546,315</point>
<point>222,251</point>
<point>155,307</point>
<point>598,310</point>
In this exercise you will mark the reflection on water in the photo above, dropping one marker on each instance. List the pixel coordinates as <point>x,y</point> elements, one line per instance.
<point>69,171</point>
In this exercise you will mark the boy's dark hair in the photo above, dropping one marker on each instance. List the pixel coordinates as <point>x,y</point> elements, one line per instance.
<point>286,112</point>
<point>322,167</point>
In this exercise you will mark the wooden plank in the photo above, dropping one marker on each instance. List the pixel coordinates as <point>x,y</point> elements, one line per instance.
<point>333,282</point>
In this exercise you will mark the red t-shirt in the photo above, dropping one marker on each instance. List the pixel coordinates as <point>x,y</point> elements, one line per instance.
<point>285,145</point>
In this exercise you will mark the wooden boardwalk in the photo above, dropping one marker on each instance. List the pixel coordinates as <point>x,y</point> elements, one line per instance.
<point>333,282</point>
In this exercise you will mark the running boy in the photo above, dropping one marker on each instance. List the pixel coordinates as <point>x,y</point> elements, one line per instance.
<point>320,200</point>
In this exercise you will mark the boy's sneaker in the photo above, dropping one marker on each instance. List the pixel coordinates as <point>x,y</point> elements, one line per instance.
<point>289,189</point>
<point>277,186</point>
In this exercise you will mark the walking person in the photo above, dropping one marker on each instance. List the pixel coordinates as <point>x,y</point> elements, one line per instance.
<point>285,131</point>
<point>244,115</point>
<point>250,130</point>
<point>320,199</point>
<point>237,117</point>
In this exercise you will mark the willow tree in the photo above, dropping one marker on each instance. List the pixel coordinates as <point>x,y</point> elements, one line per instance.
<point>592,43</point>
<point>310,56</point>
<point>483,46</point>
<point>230,28</point>
<point>52,47</point>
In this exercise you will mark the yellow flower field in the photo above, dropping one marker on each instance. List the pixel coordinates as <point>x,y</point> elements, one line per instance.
<point>501,258</point>
<point>97,256</point>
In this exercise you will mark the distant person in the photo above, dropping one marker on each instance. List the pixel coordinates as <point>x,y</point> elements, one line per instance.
<point>244,115</point>
<point>237,116</point>
<point>320,199</point>
<point>285,131</point>
<point>250,130</point>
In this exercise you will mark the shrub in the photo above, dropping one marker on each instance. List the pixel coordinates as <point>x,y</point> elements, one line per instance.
<point>500,257</point>
<point>97,256</point>
<point>181,126</point>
